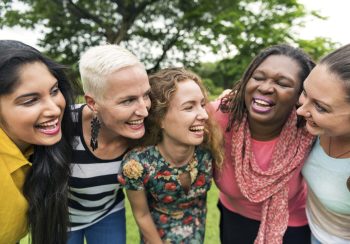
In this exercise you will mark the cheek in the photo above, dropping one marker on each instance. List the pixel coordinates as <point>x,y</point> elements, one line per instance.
<point>290,97</point>
<point>60,101</point>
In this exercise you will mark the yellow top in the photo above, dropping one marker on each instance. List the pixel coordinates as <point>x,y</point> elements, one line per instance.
<point>13,205</point>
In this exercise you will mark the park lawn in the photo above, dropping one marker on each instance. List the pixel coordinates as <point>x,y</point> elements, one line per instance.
<point>212,226</point>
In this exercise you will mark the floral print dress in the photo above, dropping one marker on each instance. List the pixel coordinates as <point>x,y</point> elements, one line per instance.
<point>178,214</point>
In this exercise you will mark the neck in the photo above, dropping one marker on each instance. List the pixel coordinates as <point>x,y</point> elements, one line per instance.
<point>337,146</point>
<point>176,154</point>
<point>262,132</point>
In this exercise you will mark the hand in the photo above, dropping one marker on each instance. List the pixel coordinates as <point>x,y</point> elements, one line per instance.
<point>224,93</point>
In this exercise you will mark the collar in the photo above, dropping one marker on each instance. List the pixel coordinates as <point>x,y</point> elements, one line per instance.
<point>10,154</point>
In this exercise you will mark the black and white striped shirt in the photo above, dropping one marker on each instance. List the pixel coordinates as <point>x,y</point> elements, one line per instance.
<point>94,191</point>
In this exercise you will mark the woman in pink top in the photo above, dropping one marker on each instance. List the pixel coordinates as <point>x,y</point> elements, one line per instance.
<point>262,193</point>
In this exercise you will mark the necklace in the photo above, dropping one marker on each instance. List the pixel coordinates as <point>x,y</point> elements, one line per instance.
<point>329,150</point>
<point>337,156</point>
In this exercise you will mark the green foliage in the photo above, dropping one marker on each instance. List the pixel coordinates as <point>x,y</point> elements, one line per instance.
<point>318,47</point>
<point>166,32</point>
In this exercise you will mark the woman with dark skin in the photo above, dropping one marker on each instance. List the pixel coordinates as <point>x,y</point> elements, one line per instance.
<point>35,129</point>
<point>262,193</point>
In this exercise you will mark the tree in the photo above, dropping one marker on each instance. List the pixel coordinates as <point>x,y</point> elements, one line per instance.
<point>159,32</point>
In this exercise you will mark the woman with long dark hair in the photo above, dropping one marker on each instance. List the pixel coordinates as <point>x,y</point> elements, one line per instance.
<point>262,192</point>
<point>35,145</point>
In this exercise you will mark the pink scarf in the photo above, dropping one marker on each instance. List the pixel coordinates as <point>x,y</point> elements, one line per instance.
<point>271,186</point>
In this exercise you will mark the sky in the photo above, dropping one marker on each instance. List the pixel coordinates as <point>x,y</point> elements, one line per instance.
<point>336,27</point>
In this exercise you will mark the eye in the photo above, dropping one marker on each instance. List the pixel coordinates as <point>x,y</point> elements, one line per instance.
<point>30,102</point>
<point>128,101</point>
<point>188,108</point>
<point>320,109</point>
<point>282,83</point>
<point>55,91</point>
<point>258,77</point>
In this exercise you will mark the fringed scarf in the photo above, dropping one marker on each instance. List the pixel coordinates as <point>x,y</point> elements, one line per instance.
<point>271,186</point>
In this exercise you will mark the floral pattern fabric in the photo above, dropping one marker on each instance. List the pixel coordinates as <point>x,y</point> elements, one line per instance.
<point>179,215</point>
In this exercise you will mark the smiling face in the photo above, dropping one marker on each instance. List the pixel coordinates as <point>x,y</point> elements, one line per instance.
<point>324,104</point>
<point>273,90</point>
<point>125,103</point>
<point>185,119</point>
<point>32,113</point>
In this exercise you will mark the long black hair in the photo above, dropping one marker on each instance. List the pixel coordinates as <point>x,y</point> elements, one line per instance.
<point>46,184</point>
<point>234,103</point>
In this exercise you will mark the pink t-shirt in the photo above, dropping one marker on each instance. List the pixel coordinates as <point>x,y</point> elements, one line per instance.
<point>230,194</point>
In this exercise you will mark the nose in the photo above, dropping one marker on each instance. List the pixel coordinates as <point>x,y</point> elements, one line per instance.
<point>266,86</point>
<point>143,107</point>
<point>52,108</point>
<point>202,114</point>
<point>303,109</point>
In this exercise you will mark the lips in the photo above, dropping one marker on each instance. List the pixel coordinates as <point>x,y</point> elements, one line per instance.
<point>262,104</point>
<point>135,124</point>
<point>311,123</point>
<point>51,127</point>
<point>198,130</point>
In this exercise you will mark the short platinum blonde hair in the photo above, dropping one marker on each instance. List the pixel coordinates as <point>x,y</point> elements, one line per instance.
<point>98,62</point>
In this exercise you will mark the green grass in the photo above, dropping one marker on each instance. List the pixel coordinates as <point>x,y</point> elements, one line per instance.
<point>212,226</point>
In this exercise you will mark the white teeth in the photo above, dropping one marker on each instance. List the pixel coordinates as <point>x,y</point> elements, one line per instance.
<point>261,102</point>
<point>47,124</point>
<point>197,128</point>
<point>135,122</point>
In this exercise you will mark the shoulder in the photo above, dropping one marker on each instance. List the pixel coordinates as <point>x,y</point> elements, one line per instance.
<point>220,117</point>
<point>142,155</point>
<point>140,152</point>
<point>204,155</point>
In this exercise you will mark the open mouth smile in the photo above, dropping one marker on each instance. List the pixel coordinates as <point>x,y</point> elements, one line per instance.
<point>50,127</point>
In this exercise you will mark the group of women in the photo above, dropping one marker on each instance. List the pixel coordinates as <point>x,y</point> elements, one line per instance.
<point>63,165</point>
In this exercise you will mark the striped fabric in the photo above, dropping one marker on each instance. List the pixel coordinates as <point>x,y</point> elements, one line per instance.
<point>94,191</point>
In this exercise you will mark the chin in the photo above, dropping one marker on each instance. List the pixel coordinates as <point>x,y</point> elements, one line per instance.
<point>48,142</point>
<point>134,136</point>
<point>314,131</point>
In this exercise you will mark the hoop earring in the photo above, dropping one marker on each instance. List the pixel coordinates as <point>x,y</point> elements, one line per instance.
<point>95,128</point>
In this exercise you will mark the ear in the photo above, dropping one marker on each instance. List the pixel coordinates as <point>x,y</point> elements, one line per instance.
<point>161,124</point>
<point>91,102</point>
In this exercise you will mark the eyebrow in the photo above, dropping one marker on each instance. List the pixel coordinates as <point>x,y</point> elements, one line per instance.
<point>133,96</point>
<point>318,101</point>
<point>33,93</point>
<point>278,74</point>
<point>192,102</point>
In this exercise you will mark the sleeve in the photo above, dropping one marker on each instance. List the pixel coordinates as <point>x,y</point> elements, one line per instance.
<point>134,172</point>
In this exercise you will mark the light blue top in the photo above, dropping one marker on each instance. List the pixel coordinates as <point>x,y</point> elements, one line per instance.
<point>327,178</point>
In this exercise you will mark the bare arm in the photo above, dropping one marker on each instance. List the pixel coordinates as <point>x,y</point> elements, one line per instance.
<point>142,215</point>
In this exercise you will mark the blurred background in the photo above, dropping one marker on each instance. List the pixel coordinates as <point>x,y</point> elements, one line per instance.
<point>216,39</point>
